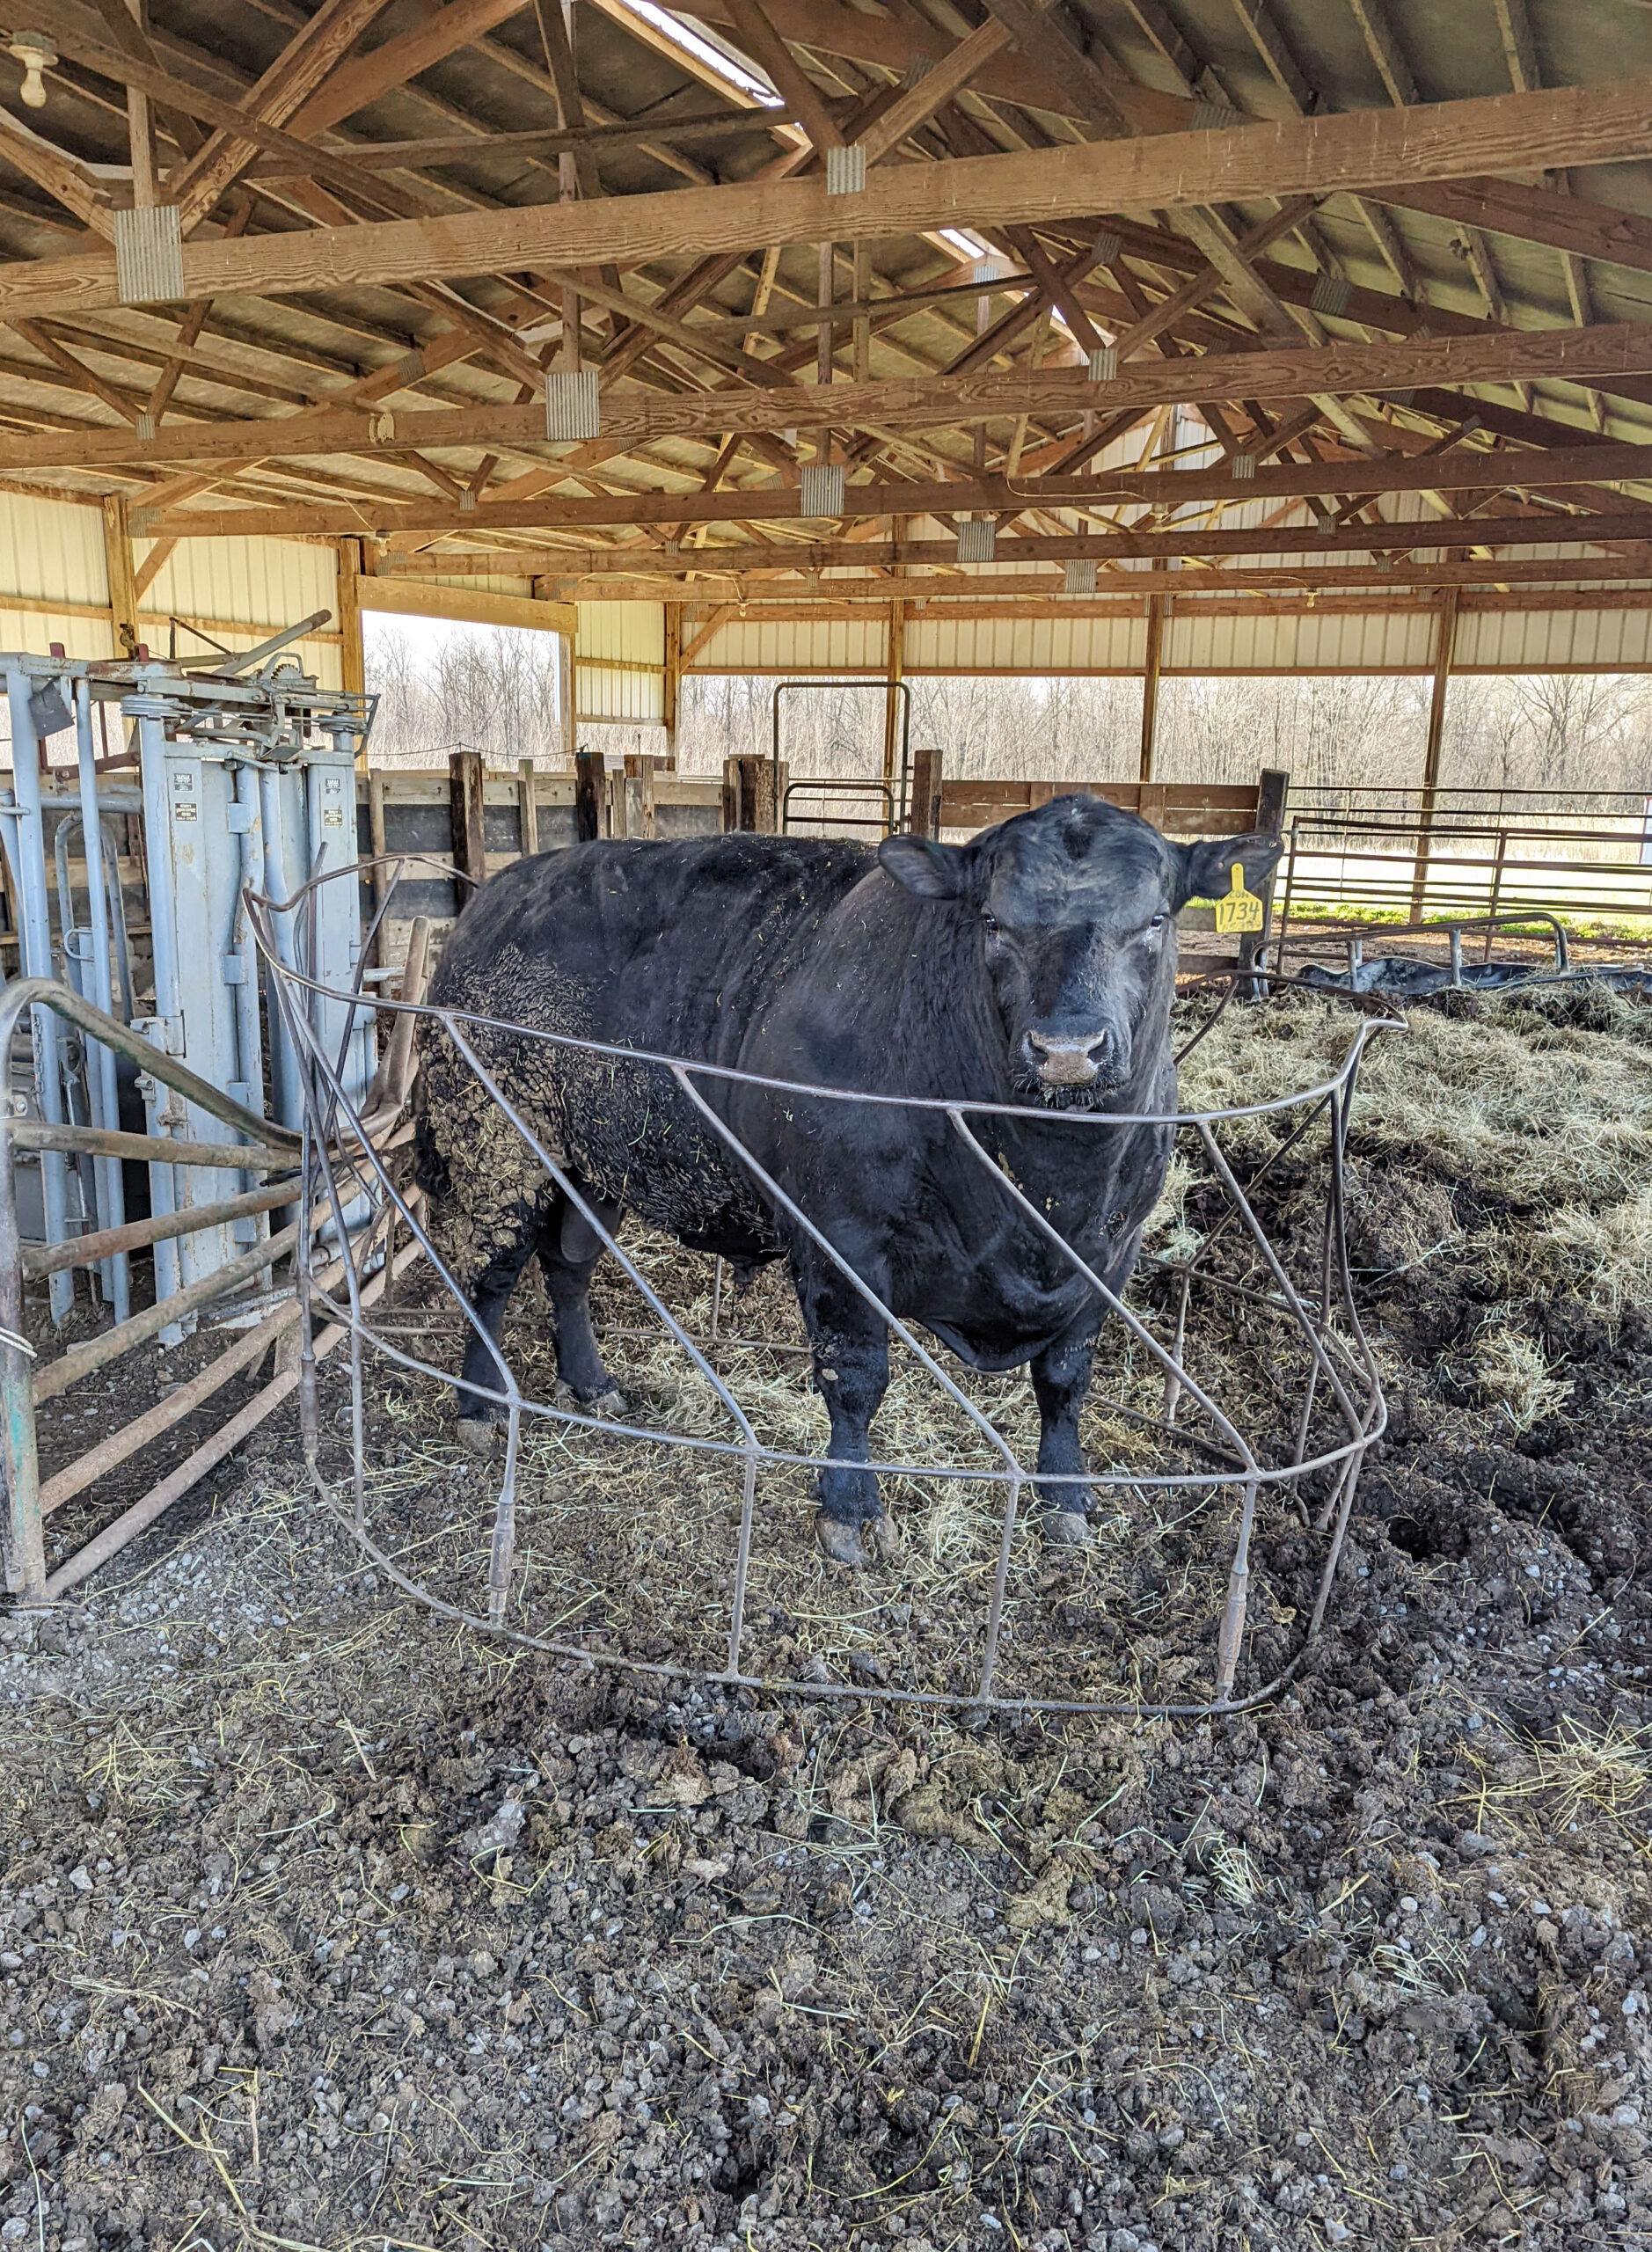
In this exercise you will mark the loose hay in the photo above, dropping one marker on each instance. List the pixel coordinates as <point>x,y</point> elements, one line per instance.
<point>323,1925</point>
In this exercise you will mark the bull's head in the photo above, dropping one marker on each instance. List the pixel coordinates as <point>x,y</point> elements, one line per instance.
<point>1073,909</point>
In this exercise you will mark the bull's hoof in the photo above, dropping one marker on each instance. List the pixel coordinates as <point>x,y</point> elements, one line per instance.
<point>481,1434</point>
<point>858,1545</point>
<point>885,1536</point>
<point>1066,1529</point>
<point>609,1401</point>
<point>840,1541</point>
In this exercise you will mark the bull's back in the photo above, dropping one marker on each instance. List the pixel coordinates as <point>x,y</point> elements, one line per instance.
<point>680,948</point>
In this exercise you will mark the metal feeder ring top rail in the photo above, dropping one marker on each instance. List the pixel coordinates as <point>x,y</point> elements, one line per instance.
<point>1338,1416</point>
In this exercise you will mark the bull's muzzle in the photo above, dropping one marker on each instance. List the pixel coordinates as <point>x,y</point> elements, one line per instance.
<point>1062,1060</point>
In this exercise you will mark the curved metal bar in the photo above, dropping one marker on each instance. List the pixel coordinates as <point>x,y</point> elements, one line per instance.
<point>326,1101</point>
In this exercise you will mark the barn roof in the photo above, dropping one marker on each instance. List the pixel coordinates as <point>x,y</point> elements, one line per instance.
<point>805,300</point>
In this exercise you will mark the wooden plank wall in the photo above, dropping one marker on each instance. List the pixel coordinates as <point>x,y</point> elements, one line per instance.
<point>427,815</point>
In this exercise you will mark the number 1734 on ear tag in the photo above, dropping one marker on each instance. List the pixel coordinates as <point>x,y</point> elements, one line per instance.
<point>1238,909</point>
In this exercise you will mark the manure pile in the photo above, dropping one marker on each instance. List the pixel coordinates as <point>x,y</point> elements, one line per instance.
<point>324,1925</point>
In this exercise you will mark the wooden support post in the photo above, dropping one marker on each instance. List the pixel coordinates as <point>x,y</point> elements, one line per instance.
<point>924,813</point>
<point>464,805</point>
<point>349,604</point>
<point>825,336</point>
<point>117,548</point>
<point>861,291</point>
<point>732,807</point>
<point>377,845</point>
<point>527,808</point>
<point>893,672</point>
<point>140,118</point>
<point>638,780</point>
<point>758,810</point>
<point>590,805</point>
<point>673,677</point>
<point>1273,786</point>
<point>1444,654</point>
<point>567,682</point>
<point>1150,683</point>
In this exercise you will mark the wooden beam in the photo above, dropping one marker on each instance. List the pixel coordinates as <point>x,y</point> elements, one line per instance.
<point>466,606</point>
<point>1444,653</point>
<point>597,140</point>
<point>948,76</point>
<point>1046,37</point>
<point>347,605</point>
<point>1150,683</point>
<point>766,47</point>
<point>1534,215</point>
<point>1531,529</point>
<point>466,783</point>
<point>635,419</point>
<point>894,672</point>
<point>282,91</point>
<point>117,550</point>
<point>1459,470</point>
<point>444,32</point>
<point>63,179</point>
<point>602,575</point>
<point>1319,156</point>
<point>908,44</point>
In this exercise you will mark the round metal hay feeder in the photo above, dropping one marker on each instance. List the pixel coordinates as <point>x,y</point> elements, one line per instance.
<point>732,1611</point>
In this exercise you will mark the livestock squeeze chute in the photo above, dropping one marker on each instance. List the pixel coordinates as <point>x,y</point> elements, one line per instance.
<point>240,775</point>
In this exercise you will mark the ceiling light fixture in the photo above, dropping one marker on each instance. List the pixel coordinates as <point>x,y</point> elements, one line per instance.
<point>35,53</point>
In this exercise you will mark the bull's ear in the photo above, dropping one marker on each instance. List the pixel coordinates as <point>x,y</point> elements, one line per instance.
<point>928,870</point>
<point>1207,867</point>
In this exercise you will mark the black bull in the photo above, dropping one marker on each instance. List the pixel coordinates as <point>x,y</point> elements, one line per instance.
<point>1034,967</point>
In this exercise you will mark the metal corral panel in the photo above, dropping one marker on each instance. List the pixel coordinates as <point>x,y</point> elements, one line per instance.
<point>1025,645</point>
<point>785,646</point>
<point>243,590</point>
<point>1270,642</point>
<point>619,662</point>
<point>1554,640</point>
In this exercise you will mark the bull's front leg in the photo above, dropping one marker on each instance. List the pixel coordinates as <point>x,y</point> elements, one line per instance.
<point>850,1347</point>
<point>1061,1378</point>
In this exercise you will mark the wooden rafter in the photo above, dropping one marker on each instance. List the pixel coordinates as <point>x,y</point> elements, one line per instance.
<point>1497,356</point>
<point>1315,156</point>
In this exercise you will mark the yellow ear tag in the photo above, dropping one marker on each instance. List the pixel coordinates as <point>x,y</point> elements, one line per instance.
<point>1238,909</point>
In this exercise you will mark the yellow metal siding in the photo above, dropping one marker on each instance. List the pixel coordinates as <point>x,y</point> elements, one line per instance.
<point>1611,640</point>
<point>51,550</point>
<point>786,645</point>
<point>242,592</point>
<point>1269,640</point>
<point>620,662</point>
<point>1025,645</point>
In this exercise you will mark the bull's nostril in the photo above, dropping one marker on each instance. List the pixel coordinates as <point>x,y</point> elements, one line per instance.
<point>1064,1060</point>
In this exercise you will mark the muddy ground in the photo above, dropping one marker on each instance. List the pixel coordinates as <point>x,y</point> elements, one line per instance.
<point>326,1924</point>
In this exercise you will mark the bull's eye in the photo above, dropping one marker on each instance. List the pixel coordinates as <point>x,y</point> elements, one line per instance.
<point>1158,922</point>
<point>990,924</point>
